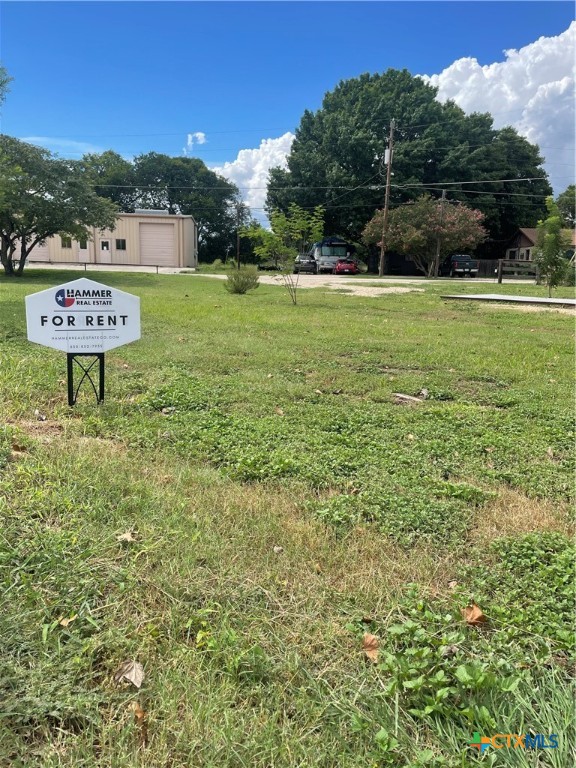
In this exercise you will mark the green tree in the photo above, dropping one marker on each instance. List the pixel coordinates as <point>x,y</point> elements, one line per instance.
<point>427,230</point>
<point>112,177</point>
<point>336,158</point>
<point>43,196</point>
<point>291,233</point>
<point>566,203</point>
<point>5,80</point>
<point>551,246</point>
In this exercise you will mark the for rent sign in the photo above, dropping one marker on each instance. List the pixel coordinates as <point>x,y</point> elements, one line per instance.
<point>83,317</point>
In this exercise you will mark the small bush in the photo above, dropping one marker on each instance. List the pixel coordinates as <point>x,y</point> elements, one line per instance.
<point>570,274</point>
<point>242,280</point>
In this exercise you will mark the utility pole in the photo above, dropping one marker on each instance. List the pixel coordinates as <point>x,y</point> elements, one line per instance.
<point>238,236</point>
<point>437,257</point>
<point>382,267</point>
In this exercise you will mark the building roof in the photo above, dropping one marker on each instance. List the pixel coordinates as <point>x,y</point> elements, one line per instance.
<point>531,233</point>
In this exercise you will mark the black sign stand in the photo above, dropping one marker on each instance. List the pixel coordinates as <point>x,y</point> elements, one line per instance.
<point>73,358</point>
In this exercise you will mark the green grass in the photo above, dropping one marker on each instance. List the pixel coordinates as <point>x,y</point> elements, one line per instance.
<point>241,424</point>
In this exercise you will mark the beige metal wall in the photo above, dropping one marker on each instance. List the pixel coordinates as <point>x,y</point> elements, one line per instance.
<point>184,252</point>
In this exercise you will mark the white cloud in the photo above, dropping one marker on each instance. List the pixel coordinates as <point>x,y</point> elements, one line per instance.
<point>532,90</point>
<point>250,170</point>
<point>198,137</point>
<point>66,147</point>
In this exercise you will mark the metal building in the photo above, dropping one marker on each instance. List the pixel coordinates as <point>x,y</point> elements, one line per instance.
<point>149,238</point>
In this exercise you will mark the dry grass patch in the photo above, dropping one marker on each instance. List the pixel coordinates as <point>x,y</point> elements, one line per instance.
<point>526,308</point>
<point>512,513</point>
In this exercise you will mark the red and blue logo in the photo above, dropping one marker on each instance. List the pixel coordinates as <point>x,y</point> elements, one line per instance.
<point>62,300</point>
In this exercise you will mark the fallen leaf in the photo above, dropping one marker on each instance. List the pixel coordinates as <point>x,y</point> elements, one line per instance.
<point>452,584</point>
<point>337,392</point>
<point>125,365</point>
<point>402,399</point>
<point>131,672</point>
<point>449,650</point>
<point>473,615</point>
<point>318,568</point>
<point>279,411</point>
<point>181,338</point>
<point>318,391</point>
<point>139,714</point>
<point>278,550</point>
<point>370,646</point>
<point>410,437</point>
<point>168,409</point>
<point>65,622</point>
<point>39,416</point>
<point>269,376</point>
<point>128,536</point>
<point>423,394</point>
<point>550,453</point>
<point>140,720</point>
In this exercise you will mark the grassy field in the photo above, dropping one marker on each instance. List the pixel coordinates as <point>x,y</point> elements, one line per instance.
<point>251,501</point>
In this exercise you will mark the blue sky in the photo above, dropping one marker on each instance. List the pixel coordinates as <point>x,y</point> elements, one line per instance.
<point>142,76</point>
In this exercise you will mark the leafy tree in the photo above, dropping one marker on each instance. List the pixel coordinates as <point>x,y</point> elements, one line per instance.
<point>43,196</point>
<point>566,203</point>
<point>427,230</point>
<point>551,246</point>
<point>292,233</point>
<point>5,79</point>
<point>336,158</point>
<point>266,244</point>
<point>112,177</point>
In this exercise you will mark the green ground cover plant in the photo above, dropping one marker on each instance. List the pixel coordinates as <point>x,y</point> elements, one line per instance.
<point>251,500</point>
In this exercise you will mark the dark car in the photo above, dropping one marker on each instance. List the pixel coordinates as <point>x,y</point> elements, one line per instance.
<point>346,267</point>
<point>305,263</point>
<point>460,265</point>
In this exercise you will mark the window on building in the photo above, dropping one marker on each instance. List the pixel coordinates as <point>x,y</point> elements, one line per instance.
<point>120,245</point>
<point>66,242</point>
<point>527,254</point>
<point>512,254</point>
<point>83,244</point>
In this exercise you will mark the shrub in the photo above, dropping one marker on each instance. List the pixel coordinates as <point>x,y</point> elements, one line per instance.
<point>570,274</point>
<point>242,280</point>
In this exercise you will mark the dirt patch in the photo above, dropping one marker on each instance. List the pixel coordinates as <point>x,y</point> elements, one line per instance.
<point>513,514</point>
<point>44,431</point>
<point>527,308</point>
<point>372,291</point>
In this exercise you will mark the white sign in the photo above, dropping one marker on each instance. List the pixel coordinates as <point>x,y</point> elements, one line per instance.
<point>83,316</point>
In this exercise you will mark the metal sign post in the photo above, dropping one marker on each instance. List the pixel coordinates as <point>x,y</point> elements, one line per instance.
<point>73,358</point>
<point>85,319</point>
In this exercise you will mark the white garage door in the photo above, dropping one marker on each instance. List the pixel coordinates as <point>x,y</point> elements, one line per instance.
<point>157,245</point>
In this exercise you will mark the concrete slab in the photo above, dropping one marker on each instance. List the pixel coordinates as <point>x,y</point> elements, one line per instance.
<point>514,299</point>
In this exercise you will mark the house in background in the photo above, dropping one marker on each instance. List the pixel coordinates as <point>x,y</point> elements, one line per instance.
<point>521,246</point>
<point>144,238</point>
